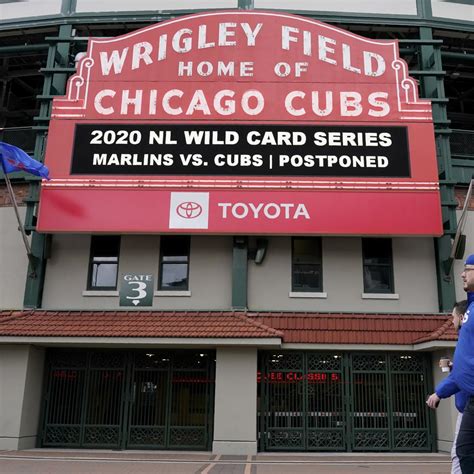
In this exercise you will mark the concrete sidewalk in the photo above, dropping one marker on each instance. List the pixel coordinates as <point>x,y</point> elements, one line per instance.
<point>47,461</point>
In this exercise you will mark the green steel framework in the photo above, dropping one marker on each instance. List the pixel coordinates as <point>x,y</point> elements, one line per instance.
<point>429,73</point>
<point>128,399</point>
<point>336,401</point>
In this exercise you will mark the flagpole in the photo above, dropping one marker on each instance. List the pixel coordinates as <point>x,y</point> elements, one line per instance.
<point>20,224</point>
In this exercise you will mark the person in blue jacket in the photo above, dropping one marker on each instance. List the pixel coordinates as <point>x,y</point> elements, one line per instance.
<point>446,388</point>
<point>462,375</point>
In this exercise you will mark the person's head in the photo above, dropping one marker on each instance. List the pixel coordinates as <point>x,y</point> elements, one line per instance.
<point>468,274</point>
<point>458,312</point>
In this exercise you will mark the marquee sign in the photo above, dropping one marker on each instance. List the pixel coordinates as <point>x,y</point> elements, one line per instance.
<point>241,122</point>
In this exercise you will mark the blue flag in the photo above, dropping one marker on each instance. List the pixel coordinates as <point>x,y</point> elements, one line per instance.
<point>14,159</point>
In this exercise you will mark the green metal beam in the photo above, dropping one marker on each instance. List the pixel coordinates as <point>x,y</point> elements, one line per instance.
<point>23,48</point>
<point>68,7</point>
<point>54,83</point>
<point>433,88</point>
<point>246,4</point>
<point>457,56</point>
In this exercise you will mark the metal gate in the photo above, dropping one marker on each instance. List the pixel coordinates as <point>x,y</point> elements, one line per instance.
<point>112,399</point>
<point>313,401</point>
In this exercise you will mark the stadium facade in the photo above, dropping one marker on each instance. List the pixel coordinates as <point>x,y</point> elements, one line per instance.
<point>253,234</point>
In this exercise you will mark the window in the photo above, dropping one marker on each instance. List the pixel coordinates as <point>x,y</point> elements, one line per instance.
<point>174,263</point>
<point>103,262</point>
<point>306,264</point>
<point>378,265</point>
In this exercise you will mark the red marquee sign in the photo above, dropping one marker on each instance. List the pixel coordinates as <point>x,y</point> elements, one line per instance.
<point>241,123</point>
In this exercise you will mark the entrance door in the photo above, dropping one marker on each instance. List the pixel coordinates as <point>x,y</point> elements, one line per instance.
<point>171,404</point>
<point>313,401</point>
<point>113,399</point>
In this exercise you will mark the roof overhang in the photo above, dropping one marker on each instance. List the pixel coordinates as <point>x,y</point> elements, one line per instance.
<point>142,342</point>
<point>433,345</point>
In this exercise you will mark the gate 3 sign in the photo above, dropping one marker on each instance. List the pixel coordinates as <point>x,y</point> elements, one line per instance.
<point>241,122</point>
<point>136,290</point>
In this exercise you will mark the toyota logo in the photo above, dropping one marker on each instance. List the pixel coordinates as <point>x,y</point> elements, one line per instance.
<point>189,210</point>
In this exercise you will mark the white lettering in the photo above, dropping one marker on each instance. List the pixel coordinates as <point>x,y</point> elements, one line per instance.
<point>351,104</point>
<point>282,69</point>
<point>289,103</point>
<point>286,37</point>
<point>202,38</point>
<point>167,99</point>
<point>271,210</point>
<point>251,34</point>
<point>186,44</point>
<point>228,108</point>
<point>252,94</point>
<point>316,106</point>
<point>98,102</point>
<point>301,211</point>
<point>379,99</point>
<point>346,59</point>
<point>226,31</point>
<point>324,49</point>
<point>198,103</point>
<point>185,68</point>
<point>114,61</point>
<point>135,101</point>
<point>368,67</point>
<point>141,52</point>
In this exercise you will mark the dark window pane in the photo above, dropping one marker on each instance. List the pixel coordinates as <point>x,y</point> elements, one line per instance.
<point>378,265</point>
<point>103,263</point>
<point>306,264</point>
<point>176,247</point>
<point>174,262</point>
<point>307,250</point>
<point>174,276</point>
<point>377,278</point>
<point>105,245</point>
<point>307,277</point>
<point>377,251</point>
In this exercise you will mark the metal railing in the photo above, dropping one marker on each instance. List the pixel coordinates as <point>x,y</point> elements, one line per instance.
<point>462,144</point>
<point>22,137</point>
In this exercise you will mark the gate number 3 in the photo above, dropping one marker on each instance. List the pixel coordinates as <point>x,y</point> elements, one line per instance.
<point>139,289</point>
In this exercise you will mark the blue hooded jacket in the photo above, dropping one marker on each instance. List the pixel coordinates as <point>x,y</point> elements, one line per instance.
<point>461,378</point>
<point>457,383</point>
<point>463,364</point>
<point>448,387</point>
